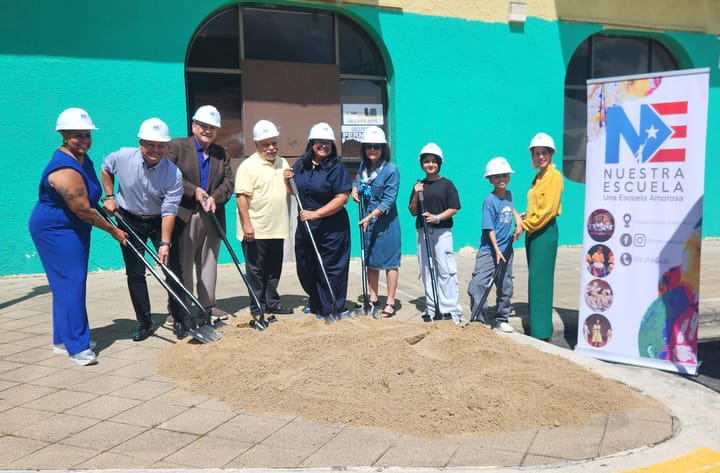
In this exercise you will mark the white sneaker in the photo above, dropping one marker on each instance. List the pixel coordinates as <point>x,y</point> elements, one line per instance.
<point>60,349</point>
<point>505,327</point>
<point>84,358</point>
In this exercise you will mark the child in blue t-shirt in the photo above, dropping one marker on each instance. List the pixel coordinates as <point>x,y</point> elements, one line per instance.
<point>493,263</point>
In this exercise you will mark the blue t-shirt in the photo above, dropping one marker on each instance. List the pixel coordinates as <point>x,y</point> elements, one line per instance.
<point>497,216</point>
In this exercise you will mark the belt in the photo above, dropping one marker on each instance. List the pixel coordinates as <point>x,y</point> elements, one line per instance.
<point>143,218</point>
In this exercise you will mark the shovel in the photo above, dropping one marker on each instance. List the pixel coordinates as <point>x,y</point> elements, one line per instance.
<point>497,275</point>
<point>334,317</point>
<point>205,333</point>
<point>430,253</point>
<point>170,274</point>
<point>258,322</point>
<point>367,308</point>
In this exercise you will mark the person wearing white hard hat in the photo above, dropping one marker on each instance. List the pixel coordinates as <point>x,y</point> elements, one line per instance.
<point>208,184</point>
<point>60,225</point>
<point>323,184</point>
<point>378,183</point>
<point>263,218</point>
<point>494,259</point>
<point>441,202</point>
<point>149,188</point>
<point>541,241</point>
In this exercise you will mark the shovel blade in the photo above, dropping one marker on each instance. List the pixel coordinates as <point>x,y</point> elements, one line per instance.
<point>205,334</point>
<point>257,325</point>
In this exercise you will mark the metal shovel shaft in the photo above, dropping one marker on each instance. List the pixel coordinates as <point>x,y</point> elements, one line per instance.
<point>165,269</point>
<point>430,253</point>
<point>259,322</point>
<point>204,334</point>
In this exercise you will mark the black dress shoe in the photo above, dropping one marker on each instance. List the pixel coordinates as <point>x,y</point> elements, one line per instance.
<point>280,310</point>
<point>180,331</point>
<point>142,333</point>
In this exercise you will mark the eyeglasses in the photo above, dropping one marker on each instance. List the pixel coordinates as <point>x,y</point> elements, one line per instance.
<point>81,136</point>
<point>267,145</point>
<point>500,176</point>
<point>322,144</point>
<point>205,126</point>
<point>374,146</point>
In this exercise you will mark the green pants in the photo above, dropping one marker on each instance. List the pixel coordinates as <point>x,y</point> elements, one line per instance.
<point>541,251</point>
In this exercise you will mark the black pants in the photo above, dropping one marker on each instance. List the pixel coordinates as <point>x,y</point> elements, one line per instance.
<point>263,263</point>
<point>135,269</point>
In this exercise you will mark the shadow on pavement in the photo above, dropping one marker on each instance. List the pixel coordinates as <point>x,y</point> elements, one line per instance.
<point>35,291</point>
<point>709,355</point>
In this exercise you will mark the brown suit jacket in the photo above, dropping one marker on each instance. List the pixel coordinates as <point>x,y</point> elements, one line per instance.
<point>221,181</point>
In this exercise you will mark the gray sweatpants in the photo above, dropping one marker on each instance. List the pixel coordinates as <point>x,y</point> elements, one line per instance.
<point>482,279</point>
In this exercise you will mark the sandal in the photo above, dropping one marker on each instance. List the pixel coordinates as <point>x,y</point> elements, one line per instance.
<point>389,313</point>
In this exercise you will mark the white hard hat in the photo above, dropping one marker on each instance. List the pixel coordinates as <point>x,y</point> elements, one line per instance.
<point>321,131</point>
<point>264,129</point>
<point>496,166</point>
<point>154,129</point>
<point>374,134</point>
<point>74,119</point>
<point>542,139</point>
<point>431,148</point>
<point>208,114</point>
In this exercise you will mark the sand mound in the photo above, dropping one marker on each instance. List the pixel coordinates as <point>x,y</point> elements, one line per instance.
<point>420,379</point>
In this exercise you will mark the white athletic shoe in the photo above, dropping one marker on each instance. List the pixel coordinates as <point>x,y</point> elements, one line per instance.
<point>59,349</point>
<point>505,327</point>
<point>84,358</point>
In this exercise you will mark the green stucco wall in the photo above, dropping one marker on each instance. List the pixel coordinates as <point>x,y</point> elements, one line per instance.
<point>477,89</point>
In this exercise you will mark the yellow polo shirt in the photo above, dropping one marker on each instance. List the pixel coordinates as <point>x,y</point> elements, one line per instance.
<point>543,199</point>
<point>264,185</point>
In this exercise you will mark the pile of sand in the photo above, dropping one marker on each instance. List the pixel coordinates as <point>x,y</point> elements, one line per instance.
<point>420,379</point>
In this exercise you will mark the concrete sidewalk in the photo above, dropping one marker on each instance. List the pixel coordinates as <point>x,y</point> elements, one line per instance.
<point>120,414</point>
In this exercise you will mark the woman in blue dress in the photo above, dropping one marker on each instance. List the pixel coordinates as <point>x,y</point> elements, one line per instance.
<point>323,185</point>
<point>60,226</point>
<point>377,184</point>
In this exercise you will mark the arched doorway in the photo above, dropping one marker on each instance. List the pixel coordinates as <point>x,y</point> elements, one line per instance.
<point>292,66</point>
<point>603,55</point>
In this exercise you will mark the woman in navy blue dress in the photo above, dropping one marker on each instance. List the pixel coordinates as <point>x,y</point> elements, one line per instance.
<point>60,226</point>
<point>377,184</point>
<point>323,185</point>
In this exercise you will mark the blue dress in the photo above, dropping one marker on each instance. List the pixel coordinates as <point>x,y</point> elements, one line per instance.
<point>383,237</point>
<point>316,187</point>
<point>62,240</point>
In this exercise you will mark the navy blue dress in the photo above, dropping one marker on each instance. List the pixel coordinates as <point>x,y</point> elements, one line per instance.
<point>316,187</point>
<point>63,243</point>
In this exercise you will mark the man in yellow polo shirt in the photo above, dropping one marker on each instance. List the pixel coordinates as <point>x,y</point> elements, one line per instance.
<point>263,216</point>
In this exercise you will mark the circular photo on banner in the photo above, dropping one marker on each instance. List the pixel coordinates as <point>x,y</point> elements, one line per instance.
<point>601,225</point>
<point>600,261</point>
<point>597,330</point>
<point>598,295</point>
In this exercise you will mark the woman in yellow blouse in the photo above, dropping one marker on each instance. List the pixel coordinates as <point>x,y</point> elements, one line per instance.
<point>541,241</point>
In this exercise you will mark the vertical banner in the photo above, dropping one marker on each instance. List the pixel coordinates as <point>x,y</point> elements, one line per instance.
<point>640,277</point>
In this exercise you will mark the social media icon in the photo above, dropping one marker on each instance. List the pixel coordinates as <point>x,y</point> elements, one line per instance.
<point>626,259</point>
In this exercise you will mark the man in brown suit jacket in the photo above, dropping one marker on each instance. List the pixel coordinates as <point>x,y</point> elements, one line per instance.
<point>208,183</point>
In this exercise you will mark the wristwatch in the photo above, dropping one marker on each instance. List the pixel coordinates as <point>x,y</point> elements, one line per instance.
<point>166,243</point>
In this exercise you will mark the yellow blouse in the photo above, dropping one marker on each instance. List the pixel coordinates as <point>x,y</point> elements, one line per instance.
<point>543,199</point>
